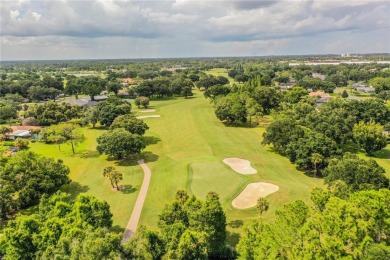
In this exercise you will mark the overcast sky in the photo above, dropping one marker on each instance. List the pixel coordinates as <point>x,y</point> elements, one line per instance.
<point>84,29</point>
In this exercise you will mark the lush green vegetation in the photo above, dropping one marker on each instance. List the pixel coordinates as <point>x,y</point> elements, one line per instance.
<point>86,168</point>
<point>290,140</point>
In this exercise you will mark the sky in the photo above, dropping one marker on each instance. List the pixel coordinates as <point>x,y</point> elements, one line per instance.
<point>113,29</point>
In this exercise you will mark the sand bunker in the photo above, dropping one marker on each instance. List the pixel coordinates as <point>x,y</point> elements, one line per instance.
<point>147,110</point>
<point>240,165</point>
<point>150,116</point>
<point>252,192</point>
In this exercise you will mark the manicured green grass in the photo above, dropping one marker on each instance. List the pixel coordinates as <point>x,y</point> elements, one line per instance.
<point>220,72</point>
<point>192,140</point>
<point>86,173</point>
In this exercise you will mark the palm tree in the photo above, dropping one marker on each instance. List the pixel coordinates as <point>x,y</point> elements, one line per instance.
<point>316,158</point>
<point>262,205</point>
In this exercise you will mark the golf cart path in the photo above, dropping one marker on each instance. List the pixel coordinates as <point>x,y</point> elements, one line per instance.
<point>135,215</point>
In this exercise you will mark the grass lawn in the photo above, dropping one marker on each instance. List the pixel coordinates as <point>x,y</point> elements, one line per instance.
<point>221,72</point>
<point>86,173</point>
<point>192,144</point>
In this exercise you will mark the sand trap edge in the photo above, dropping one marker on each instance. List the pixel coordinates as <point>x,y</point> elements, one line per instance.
<point>240,166</point>
<point>253,191</point>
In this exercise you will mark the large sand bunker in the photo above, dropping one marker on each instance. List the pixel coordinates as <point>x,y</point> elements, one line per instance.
<point>252,192</point>
<point>149,116</point>
<point>147,110</point>
<point>240,165</point>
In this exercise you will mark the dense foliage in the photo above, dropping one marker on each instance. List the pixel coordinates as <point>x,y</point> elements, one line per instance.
<point>119,143</point>
<point>25,177</point>
<point>62,229</point>
<point>352,228</point>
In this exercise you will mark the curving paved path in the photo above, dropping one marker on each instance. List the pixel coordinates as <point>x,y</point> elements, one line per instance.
<point>135,215</point>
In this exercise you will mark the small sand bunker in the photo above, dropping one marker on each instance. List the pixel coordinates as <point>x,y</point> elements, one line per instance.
<point>252,192</point>
<point>149,116</point>
<point>240,165</point>
<point>147,110</point>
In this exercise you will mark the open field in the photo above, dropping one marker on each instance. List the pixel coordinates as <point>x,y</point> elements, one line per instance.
<point>221,72</point>
<point>86,173</point>
<point>186,151</point>
<point>193,144</point>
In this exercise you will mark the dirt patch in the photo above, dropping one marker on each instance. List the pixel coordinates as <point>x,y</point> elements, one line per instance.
<point>147,110</point>
<point>252,192</point>
<point>149,116</point>
<point>240,165</point>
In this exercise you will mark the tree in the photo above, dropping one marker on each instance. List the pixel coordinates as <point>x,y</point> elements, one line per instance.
<point>7,112</point>
<point>262,205</point>
<point>114,86</point>
<point>344,94</point>
<point>131,124</point>
<point>192,245</point>
<point>74,85</point>
<point>145,244</point>
<point>300,151</point>
<point>316,158</point>
<point>5,130</point>
<point>267,97</point>
<point>27,176</point>
<point>295,95</point>
<point>119,143</point>
<point>22,143</point>
<point>93,86</point>
<point>30,121</point>
<point>69,133</point>
<point>357,173</point>
<point>369,136</point>
<point>142,101</point>
<point>92,116</point>
<point>111,109</point>
<point>107,172</point>
<point>64,229</point>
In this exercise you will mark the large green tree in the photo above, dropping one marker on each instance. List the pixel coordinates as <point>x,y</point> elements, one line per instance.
<point>131,124</point>
<point>358,174</point>
<point>62,229</point>
<point>26,176</point>
<point>119,143</point>
<point>369,136</point>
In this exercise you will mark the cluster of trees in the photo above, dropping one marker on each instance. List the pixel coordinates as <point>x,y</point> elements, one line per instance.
<point>299,130</point>
<point>51,113</point>
<point>80,229</point>
<point>25,178</point>
<point>63,133</point>
<point>124,137</point>
<point>105,112</point>
<point>190,229</point>
<point>161,86</point>
<point>382,87</point>
<point>340,225</point>
<point>235,104</point>
<point>62,229</point>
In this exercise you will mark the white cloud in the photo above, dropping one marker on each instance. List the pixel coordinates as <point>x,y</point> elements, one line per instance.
<point>196,28</point>
<point>14,14</point>
<point>36,16</point>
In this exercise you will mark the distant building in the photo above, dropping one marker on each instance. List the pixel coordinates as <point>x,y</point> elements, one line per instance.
<point>321,96</point>
<point>21,132</point>
<point>86,102</point>
<point>362,87</point>
<point>285,87</point>
<point>318,76</point>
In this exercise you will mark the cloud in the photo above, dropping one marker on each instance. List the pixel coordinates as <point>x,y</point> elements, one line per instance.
<point>189,27</point>
<point>36,16</point>
<point>14,14</point>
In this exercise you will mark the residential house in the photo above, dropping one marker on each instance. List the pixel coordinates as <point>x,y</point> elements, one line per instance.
<point>21,132</point>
